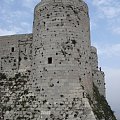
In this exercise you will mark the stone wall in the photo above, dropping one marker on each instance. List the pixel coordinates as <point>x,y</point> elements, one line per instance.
<point>97,73</point>
<point>59,65</point>
<point>15,53</point>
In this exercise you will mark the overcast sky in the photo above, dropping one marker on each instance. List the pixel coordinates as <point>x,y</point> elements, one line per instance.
<point>16,16</point>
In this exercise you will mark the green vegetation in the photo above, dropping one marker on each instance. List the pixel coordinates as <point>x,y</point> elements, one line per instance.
<point>100,107</point>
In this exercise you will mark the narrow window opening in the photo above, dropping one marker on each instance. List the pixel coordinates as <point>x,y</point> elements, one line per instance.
<point>50,60</point>
<point>12,49</point>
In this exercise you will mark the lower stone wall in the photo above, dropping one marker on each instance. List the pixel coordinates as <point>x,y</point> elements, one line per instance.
<point>18,102</point>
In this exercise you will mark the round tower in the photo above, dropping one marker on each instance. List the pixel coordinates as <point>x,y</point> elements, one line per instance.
<point>61,50</point>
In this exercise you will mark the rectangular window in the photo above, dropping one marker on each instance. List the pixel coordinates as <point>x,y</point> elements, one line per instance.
<point>50,60</point>
<point>12,49</point>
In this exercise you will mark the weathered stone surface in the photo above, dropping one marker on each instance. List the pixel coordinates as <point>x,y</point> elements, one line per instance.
<point>15,53</point>
<point>56,63</point>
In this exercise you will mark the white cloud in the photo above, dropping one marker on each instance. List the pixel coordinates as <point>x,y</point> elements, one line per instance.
<point>6,32</point>
<point>108,11</point>
<point>29,3</point>
<point>109,51</point>
<point>107,8</point>
<point>9,1</point>
<point>26,26</point>
<point>116,30</point>
<point>14,21</point>
<point>22,27</point>
<point>101,2</point>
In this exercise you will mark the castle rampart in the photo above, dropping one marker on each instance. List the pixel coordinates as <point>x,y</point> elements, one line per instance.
<point>15,53</point>
<point>60,58</point>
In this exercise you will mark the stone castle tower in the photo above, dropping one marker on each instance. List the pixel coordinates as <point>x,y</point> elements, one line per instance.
<point>61,43</point>
<point>59,58</point>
